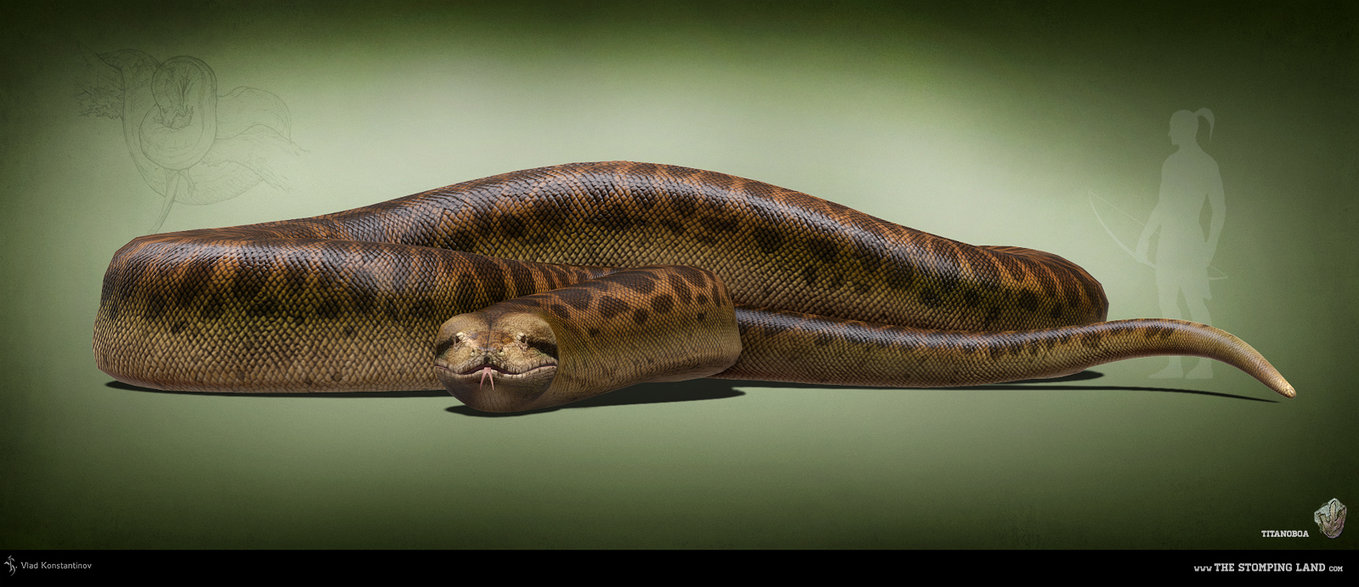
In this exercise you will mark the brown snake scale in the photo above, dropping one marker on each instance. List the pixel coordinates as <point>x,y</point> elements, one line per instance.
<point>544,286</point>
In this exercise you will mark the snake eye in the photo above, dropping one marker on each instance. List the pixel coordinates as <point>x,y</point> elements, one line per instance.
<point>545,347</point>
<point>529,341</point>
<point>446,340</point>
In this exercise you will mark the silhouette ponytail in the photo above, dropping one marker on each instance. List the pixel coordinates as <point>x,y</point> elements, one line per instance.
<point>1206,114</point>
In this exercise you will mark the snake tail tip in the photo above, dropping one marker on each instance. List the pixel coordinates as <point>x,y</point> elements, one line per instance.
<point>1287,390</point>
<point>1280,385</point>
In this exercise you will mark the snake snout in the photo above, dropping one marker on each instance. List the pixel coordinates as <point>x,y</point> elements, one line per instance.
<point>496,363</point>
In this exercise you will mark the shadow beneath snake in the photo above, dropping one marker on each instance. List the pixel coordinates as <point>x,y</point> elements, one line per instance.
<point>130,387</point>
<point>707,389</point>
<point>712,389</point>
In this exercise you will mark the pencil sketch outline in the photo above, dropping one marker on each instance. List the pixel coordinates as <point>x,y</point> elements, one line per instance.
<point>190,144</point>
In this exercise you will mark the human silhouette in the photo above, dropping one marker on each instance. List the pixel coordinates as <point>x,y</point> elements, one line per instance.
<point>1189,179</point>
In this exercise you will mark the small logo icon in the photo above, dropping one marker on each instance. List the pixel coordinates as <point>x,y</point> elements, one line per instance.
<point>1330,518</point>
<point>9,562</point>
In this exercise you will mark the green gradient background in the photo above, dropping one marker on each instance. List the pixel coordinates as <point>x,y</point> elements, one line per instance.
<point>987,122</point>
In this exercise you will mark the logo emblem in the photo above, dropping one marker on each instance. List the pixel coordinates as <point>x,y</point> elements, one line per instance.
<point>9,562</point>
<point>1330,518</point>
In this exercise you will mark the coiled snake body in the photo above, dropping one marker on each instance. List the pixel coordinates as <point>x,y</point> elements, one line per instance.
<point>545,286</point>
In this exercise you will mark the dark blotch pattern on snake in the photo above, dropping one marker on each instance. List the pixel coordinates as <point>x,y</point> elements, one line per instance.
<point>544,286</point>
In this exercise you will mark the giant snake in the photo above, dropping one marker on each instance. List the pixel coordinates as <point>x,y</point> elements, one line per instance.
<point>541,287</point>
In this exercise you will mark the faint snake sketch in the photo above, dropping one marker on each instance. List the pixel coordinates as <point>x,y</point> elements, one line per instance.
<point>1189,179</point>
<point>191,145</point>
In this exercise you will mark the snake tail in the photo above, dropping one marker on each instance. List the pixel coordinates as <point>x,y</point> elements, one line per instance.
<point>561,346</point>
<point>792,347</point>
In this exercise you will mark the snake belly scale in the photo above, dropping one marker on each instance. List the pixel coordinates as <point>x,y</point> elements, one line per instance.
<point>540,287</point>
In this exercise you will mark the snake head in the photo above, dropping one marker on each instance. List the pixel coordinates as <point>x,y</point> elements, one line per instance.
<point>494,361</point>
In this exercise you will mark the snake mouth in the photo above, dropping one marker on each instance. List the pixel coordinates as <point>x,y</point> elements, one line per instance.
<point>486,376</point>
<point>487,369</point>
<point>487,387</point>
<point>487,363</point>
